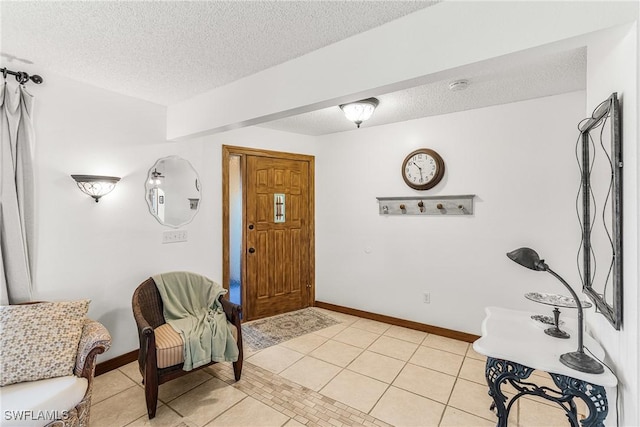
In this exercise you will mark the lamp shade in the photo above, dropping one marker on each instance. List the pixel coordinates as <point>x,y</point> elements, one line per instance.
<point>527,257</point>
<point>360,111</point>
<point>96,186</point>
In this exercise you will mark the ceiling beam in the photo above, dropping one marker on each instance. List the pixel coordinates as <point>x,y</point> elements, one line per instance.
<point>394,56</point>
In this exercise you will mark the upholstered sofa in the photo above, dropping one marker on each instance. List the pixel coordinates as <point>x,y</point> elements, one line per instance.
<point>60,401</point>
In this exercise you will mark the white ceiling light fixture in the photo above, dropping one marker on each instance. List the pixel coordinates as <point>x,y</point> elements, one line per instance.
<point>457,85</point>
<point>360,111</point>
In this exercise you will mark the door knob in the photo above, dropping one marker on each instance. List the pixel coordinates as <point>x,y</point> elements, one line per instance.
<point>250,226</point>
<point>252,250</point>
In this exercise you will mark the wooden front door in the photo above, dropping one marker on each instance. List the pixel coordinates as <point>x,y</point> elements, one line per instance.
<point>278,235</point>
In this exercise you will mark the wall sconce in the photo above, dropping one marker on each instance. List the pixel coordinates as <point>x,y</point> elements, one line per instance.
<point>96,186</point>
<point>360,111</point>
<point>578,359</point>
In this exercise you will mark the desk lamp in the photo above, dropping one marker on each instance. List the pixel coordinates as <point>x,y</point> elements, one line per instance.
<point>578,360</point>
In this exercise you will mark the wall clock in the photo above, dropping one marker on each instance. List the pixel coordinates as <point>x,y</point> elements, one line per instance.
<point>422,169</point>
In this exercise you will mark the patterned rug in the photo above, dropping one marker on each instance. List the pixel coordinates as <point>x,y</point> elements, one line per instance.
<point>263,333</point>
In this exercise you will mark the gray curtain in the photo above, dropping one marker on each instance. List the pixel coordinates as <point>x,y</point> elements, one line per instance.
<point>16,194</point>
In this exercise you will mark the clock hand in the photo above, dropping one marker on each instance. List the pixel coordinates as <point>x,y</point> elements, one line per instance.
<point>420,169</point>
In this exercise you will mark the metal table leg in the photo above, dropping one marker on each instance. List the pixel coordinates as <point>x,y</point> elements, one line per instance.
<point>499,372</point>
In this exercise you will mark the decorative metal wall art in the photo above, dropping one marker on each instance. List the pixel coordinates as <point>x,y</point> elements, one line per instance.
<point>599,206</point>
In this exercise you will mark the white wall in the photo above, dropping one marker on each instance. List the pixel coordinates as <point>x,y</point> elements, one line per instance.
<point>102,251</point>
<point>612,66</point>
<point>517,158</point>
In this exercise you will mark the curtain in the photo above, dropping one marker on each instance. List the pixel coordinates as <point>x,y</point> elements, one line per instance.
<point>16,195</point>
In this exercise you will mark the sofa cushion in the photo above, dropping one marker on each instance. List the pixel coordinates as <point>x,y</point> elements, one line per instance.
<point>39,341</point>
<point>37,403</point>
<point>170,346</point>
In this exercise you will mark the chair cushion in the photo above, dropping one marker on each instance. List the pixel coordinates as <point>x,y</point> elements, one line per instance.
<point>170,347</point>
<point>40,341</point>
<point>37,403</point>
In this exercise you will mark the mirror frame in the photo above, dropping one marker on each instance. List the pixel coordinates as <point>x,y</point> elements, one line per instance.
<point>198,185</point>
<point>608,110</point>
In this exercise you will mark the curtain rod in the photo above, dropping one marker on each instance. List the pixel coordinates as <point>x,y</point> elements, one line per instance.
<point>21,76</point>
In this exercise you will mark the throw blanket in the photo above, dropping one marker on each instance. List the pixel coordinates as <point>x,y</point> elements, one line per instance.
<point>192,308</point>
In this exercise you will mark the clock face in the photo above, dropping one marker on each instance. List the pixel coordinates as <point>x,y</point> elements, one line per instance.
<point>422,169</point>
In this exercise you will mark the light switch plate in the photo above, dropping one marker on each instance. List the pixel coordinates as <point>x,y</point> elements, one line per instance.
<point>174,236</point>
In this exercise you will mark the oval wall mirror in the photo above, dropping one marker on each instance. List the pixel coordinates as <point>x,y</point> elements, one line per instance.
<point>173,191</point>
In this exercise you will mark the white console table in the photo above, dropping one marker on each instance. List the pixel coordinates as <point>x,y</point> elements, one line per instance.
<point>515,346</point>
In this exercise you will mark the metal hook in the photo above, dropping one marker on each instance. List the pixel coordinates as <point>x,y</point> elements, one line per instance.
<point>4,73</point>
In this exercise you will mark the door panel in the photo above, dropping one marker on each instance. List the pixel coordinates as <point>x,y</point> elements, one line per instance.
<point>277,270</point>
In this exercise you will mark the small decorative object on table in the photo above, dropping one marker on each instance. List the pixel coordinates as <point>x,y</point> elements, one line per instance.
<point>557,301</point>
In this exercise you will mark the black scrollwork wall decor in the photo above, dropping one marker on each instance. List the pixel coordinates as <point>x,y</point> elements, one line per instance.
<point>599,207</point>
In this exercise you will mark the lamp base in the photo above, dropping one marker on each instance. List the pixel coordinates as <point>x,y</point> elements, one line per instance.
<point>581,362</point>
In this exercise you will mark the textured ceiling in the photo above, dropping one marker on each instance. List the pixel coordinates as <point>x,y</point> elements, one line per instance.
<point>513,79</point>
<point>167,51</point>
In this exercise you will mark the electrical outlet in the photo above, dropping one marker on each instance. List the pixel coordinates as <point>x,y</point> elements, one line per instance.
<point>174,236</point>
<point>426,298</point>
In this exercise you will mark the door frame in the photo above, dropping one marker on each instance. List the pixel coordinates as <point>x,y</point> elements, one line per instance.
<point>243,152</point>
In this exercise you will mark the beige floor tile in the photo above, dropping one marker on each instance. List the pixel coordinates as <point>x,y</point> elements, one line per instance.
<point>336,352</point>
<point>119,410</point>
<point>406,334</point>
<point>401,408</point>
<point>332,331</point>
<point>132,371</point>
<point>446,344</point>
<point>207,401</point>
<point>306,343</point>
<point>165,417</point>
<point>174,388</point>
<point>355,390</point>
<point>426,382</point>
<point>311,372</point>
<point>275,359</point>
<point>534,414</point>
<point>293,423</point>
<point>371,326</point>
<point>473,398</point>
<point>109,384</point>
<point>456,418</point>
<point>438,360</point>
<point>473,370</point>
<point>378,366</point>
<point>356,337</point>
<point>250,412</point>
<point>475,355</point>
<point>393,347</point>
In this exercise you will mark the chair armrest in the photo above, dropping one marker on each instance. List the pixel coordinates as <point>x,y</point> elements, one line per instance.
<point>95,339</point>
<point>232,311</point>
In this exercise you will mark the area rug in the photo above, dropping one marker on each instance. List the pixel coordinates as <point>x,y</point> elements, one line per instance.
<point>263,333</point>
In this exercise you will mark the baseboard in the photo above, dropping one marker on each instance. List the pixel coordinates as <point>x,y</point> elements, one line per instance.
<point>116,362</point>
<point>449,333</point>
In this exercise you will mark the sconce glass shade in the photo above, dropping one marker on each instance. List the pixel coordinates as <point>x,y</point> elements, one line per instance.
<point>96,186</point>
<point>360,111</point>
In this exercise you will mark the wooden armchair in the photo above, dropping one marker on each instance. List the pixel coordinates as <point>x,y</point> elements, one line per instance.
<point>161,358</point>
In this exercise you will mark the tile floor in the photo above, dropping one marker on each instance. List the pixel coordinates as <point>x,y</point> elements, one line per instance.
<point>358,372</point>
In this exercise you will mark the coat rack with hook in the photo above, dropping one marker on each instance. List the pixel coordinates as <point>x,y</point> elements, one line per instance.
<point>427,205</point>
